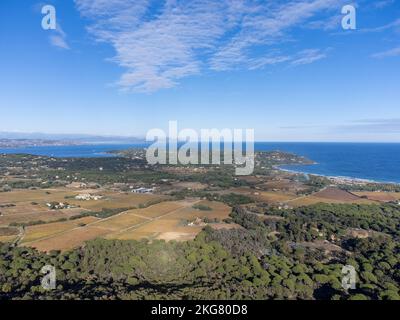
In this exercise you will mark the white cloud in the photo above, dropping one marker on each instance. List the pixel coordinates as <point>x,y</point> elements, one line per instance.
<point>329,24</point>
<point>59,38</point>
<point>267,26</point>
<point>388,53</point>
<point>301,58</point>
<point>308,56</point>
<point>383,3</point>
<point>159,42</point>
<point>392,25</point>
<point>258,63</point>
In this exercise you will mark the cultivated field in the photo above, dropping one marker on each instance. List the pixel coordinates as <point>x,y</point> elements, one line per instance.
<point>274,197</point>
<point>148,216</point>
<point>379,196</point>
<point>166,220</point>
<point>41,231</point>
<point>271,197</point>
<point>113,200</point>
<point>173,225</point>
<point>68,239</point>
<point>189,185</point>
<point>5,239</point>
<point>8,234</point>
<point>22,206</point>
<point>283,185</point>
<point>328,195</point>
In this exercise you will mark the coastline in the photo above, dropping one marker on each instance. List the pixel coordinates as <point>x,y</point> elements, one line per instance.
<point>113,150</point>
<point>339,179</point>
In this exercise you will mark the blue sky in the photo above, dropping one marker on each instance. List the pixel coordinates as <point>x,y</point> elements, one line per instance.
<point>122,67</point>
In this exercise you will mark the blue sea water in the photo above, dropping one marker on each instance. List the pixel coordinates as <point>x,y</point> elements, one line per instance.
<point>372,161</point>
<point>79,151</point>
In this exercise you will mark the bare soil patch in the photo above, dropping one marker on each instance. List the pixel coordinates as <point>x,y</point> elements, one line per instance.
<point>8,231</point>
<point>379,196</point>
<point>336,194</point>
<point>69,240</point>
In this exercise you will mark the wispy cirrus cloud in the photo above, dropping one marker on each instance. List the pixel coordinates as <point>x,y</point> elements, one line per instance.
<point>308,56</point>
<point>301,58</point>
<point>388,53</point>
<point>158,48</point>
<point>391,25</point>
<point>373,126</point>
<point>329,24</point>
<point>267,25</point>
<point>383,3</point>
<point>159,42</point>
<point>58,38</point>
<point>364,126</point>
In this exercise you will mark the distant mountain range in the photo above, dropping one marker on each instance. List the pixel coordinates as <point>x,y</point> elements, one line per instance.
<point>18,139</point>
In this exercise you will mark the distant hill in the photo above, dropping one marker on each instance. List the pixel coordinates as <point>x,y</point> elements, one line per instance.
<point>38,138</point>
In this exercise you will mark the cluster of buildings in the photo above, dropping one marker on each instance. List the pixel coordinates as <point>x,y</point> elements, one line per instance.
<point>143,190</point>
<point>82,185</point>
<point>88,196</point>
<point>197,223</point>
<point>59,205</point>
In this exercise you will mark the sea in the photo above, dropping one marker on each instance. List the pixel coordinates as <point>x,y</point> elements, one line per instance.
<point>370,161</point>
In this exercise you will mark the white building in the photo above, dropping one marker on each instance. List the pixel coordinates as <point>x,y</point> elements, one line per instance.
<point>143,190</point>
<point>88,196</point>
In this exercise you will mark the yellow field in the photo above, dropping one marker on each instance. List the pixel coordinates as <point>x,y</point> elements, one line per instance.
<point>166,229</point>
<point>190,185</point>
<point>25,211</point>
<point>380,196</point>
<point>116,223</point>
<point>169,226</point>
<point>162,208</point>
<point>69,239</point>
<point>7,238</point>
<point>115,200</point>
<point>326,195</point>
<point>265,196</point>
<point>159,221</point>
<point>273,197</point>
<point>33,233</point>
<point>309,200</point>
<point>17,196</point>
<point>46,215</point>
